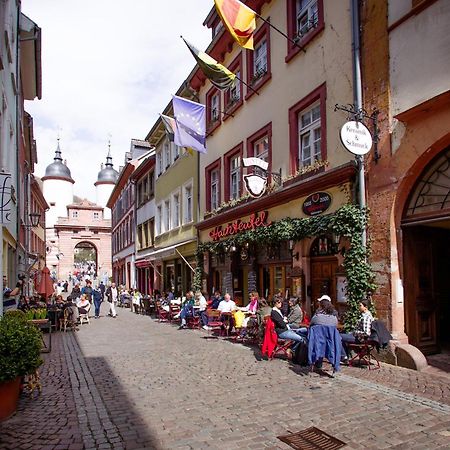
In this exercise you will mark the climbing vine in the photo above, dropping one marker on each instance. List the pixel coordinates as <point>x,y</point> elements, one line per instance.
<point>348,221</point>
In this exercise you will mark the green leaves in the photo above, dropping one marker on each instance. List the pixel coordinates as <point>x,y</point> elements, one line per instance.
<point>20,346</point>
<point>348,221</point>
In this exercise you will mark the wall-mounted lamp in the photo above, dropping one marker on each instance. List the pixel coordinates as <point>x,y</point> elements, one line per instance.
<point>35,218</point>
<point>336,241</point>
<point>233,248</point>
<point>295,255</point>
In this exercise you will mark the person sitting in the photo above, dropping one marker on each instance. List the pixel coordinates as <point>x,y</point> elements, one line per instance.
<point>83,305</point>
<point>295,316</point>
<point>226,307</point>
<point>216,299</point>
<point>187,309</point>
<point>363,328</point>
<point>282,328</point>
<point>202,304</point>
<point>253,304</point>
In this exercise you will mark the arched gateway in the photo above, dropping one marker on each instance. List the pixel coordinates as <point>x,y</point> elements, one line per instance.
<point>85,259</point>
<point>426,260</point>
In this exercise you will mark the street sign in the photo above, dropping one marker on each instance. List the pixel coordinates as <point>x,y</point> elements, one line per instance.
<point>356,138</point>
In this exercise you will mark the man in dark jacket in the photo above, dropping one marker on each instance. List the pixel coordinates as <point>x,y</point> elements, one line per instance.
<point>97,297</point>
<point>102,289</point>
<point>87,290</point>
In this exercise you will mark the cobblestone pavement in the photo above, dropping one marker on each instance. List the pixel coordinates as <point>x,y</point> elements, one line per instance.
<point>133,383</point>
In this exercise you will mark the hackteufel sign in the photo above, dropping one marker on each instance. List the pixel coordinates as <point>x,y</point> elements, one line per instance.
<point>256,220</point>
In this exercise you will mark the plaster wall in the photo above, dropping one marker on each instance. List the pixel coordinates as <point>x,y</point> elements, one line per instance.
<point>145,212</point>
<point>327,60</point>
<point>103,192</point>
<point>60,193</point>
<point>420,57</point>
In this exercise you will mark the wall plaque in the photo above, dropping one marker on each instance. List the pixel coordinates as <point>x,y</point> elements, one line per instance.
<point>316,203</point>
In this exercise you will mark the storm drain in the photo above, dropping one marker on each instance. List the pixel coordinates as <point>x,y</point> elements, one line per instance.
<point>312,439</point>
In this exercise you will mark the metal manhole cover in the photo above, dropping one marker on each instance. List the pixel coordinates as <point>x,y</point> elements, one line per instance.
<point>312,439</point>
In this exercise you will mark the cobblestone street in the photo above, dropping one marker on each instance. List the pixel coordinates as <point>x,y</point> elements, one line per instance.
<point>135,383</point>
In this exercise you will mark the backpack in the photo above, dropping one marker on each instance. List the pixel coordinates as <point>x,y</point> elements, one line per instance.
<point>301,354</point>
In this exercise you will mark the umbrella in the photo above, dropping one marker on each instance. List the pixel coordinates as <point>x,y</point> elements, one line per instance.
<point>45,287</point>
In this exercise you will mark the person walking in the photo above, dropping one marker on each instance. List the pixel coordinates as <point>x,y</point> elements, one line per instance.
<point>112,294</point>
<point>98,298</point>
<point>102,289</point>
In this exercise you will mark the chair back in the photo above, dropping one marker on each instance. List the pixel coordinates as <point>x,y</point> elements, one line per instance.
<point>213,313</point>
<point>324,341</point>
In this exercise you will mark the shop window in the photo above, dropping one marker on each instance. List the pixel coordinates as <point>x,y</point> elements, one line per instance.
<point>233,95</point>
<point>307,121</point>
<point>213,185</point>
<point>259,145</point>
<point>233,173</point>
<point>212,109</point>
<point>305,21</point>
<point>258,60</point>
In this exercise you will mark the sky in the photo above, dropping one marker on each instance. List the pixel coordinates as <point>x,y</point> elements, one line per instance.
<point>108,68</point>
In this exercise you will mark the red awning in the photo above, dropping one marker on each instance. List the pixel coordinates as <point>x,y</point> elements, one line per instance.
<point>142,264</point>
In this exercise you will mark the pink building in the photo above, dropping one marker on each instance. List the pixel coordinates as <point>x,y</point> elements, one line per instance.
<point>84,231</point>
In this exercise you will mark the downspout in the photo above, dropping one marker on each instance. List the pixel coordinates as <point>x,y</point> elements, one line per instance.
<point>357,101</point>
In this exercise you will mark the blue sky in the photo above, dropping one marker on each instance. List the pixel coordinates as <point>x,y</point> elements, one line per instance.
<point>109,67</point>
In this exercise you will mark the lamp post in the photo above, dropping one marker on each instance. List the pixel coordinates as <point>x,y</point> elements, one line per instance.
<point>34,220</point>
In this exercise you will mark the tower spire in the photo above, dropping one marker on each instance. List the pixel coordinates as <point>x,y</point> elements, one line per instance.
<point>58,152</point>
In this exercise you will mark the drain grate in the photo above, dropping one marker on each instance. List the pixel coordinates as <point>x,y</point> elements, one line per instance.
<point>312,439</point>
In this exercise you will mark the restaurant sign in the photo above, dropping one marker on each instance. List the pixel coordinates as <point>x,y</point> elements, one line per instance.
<point>316,203</point>
<point>256,220</point>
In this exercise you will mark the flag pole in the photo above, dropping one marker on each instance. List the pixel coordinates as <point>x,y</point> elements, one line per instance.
<point>243,82</point>
<point>279,31</point>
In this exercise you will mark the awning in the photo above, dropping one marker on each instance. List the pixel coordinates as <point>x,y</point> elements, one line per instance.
<point>168,251</point>
<point>141,264</point>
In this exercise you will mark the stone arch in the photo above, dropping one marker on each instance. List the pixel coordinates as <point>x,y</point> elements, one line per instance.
<point>86,248</point>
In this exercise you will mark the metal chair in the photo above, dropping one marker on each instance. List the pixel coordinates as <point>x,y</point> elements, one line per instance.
<point>364,353</point>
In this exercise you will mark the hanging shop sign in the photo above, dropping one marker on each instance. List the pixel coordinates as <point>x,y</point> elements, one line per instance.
<point>256,220</point>
<point>6,198</point>
<point>256,183</point>
<point>356,138</point>
<point>316,203</point>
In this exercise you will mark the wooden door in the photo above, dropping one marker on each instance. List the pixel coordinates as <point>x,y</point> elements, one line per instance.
<point>323,279</point>
<point>425,266</point>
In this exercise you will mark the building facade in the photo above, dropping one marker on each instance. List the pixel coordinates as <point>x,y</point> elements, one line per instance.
<point>176,190</point>
<point>405,73</point>
<point>285,118</point>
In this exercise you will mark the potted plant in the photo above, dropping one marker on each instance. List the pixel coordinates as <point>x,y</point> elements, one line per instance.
<point>20,346</point>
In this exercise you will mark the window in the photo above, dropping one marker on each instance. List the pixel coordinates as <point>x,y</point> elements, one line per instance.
<point>259,145</point>
<point>233,173</point>
<point>96,215</point>
<point>74,214</point>
<point>151,184</point>
<point>212,109</point>
<point>175,151</point>
<point>309,139</point>
<point>167,157</point>
<point>217,28</point>
<point>258,61</point>
<point>307,134</point>
<point>151,227</point>
<point>167,215</point>
<point>176,211</point>
<point>145,191</point>
<point>52,203</point>
<point>214,189</point>
<point>307,16</point>
<point>139,238</point>
<point>233,95</point>
<point>188,217</point>
<point>140,195</point>
<point>305,21</point>
<point>159,166</point>
<point>145,241</point>
<point>158,219</point>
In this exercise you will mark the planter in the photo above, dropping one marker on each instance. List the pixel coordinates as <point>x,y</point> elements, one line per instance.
<point>9,397</point>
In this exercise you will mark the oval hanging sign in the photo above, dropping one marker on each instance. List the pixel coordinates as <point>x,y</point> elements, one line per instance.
<point>356,138</point>
<point>316,203</point>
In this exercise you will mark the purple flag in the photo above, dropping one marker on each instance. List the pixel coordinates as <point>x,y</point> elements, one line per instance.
<point>190,118</point>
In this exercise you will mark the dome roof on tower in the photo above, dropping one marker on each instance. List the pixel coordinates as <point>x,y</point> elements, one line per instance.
<point>108,175</point>
<point>57,169</point>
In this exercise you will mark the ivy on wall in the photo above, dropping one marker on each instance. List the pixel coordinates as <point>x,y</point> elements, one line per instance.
<point>348,221</point>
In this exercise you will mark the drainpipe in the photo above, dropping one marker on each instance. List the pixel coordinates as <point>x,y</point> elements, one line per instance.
<point>357,100</point>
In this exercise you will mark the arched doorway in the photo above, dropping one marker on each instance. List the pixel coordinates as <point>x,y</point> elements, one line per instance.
<point>426,257</point>
<point>85,257</point>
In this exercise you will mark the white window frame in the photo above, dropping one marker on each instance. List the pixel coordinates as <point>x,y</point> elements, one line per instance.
<point>159,163</point>
<point>235,177</point>
<point>260,62</point>
<point>167,218</point>
<point>159,219</point>
<point>167,154</point>
<point>214,102</point>
<point>234,92</point>
<point>175,151</point>
<point>307,16</point>
<point>74,214</point>
<point>261,143</point>
<point>308,134</point>
<point>188,207</point>
<point>214,188</point>
<point>96,215</point>
<point>176,209</point>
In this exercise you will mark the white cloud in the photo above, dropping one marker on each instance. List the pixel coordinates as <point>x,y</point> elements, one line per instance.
<point>108,67</point>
